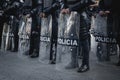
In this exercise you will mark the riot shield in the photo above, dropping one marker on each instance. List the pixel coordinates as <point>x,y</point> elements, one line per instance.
<point>8,36</point>
<point>24,34</point>
<point>104,38</point>
<point>4,35</point>
<point>44,52</point>
<point>67,46</point>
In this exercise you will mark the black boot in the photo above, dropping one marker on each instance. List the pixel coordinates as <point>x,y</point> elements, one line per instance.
<point>83,68</point>
<point>52,62</point>
<point>35,54</point>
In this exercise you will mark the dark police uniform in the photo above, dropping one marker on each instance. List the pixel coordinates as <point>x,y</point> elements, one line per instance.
<point>114,8</point>
<point>11,8</point>
<point>1,20</point>
<point>80,6</point>
<point>35,29</point>
<point>53,9</point>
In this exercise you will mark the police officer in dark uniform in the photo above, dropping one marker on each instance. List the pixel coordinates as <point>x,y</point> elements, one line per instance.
<point>112,8</point>
<point>3,5</point>
<point>11,7</point>
<point>53,9</point>
<point>36,6</point>
<point>104,10</point>
<point>17,6</point>
<point>1,20</point>
<point>80,6</point>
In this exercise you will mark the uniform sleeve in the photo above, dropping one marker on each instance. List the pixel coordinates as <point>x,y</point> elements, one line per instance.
<point>55,6</point>
<point>38,7</point>
<point>81,5</point>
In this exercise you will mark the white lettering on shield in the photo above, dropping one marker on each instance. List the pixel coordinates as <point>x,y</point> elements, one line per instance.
<point>68,42</point>
<point>45,39</point>
<point>105,39</point>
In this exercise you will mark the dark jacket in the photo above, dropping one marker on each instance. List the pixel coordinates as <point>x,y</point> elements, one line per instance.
<point>79,5</point>
<point>34,5</point>
<point>53,8</point>
<point>111,5</point>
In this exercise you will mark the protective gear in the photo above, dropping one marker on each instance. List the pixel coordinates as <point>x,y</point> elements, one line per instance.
<point>53,10</point>
<point>104,32</point>
<point>80,6</point>
<point>1,20</point>
<point>47,3</point>
<point>83,69</point>
<point>44,51</point>
<point>11,17</point>
<point>67,45</point>
<point>36,6</point>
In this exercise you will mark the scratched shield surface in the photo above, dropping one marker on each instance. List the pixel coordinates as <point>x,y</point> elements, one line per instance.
<point>4,36</point>
<point>7,35</point>
<point>67,46</point>
<point>24,35</point>
<point>104,40</point>
<point>44,51</point>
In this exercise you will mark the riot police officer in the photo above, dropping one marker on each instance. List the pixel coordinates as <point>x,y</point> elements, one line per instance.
<point>53,9</point>
<point>11,7</point>
<point>116,19</point>
<point>112,8</point>
<point>80,6</point>
<point>3,5</point>
<point>36,7</point>
<point>1,21</point>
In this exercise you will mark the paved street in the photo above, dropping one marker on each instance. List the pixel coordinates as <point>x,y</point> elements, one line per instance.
<point>14,67</point>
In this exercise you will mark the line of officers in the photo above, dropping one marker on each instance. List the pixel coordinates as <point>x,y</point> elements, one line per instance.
<point>38,9</point>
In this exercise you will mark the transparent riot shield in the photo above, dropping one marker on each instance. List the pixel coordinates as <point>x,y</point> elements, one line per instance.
<point>44,52</point>
<point>7,36</point>
<point>68,35</point>
<point>4,36</point>
<point>24,35</point>
<point>105,42</point>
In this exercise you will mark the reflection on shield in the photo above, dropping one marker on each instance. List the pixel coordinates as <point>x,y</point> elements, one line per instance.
<point>44,52</point>
<point>104,37</point>
<point>8,34</point>
<point>4,35</point>
<point>67,47</point>
<point>24,34</point>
